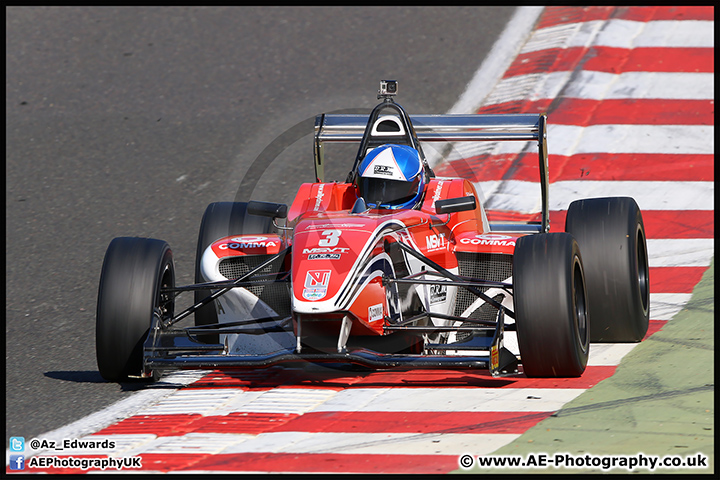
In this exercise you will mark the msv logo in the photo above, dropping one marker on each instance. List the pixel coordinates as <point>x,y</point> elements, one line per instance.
<point>316,284</point>
<point>434,242</point>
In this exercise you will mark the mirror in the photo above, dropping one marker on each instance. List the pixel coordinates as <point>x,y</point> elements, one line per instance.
<point>460,204</point>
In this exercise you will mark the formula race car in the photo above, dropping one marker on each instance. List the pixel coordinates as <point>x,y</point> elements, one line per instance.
<point>392,268</point>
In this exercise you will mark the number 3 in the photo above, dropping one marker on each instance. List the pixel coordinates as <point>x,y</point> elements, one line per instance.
<point>332,238</point>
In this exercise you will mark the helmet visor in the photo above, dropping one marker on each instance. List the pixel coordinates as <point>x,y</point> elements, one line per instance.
<point>380,192</point>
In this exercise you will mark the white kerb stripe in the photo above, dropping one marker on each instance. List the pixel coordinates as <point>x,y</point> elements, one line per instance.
<point>371,443</point>
<point>687,139</point>
<point>592,85</point>
<point>681,252</point>
<point>659,33</point>
<point>608,354</point>
<point>580,34</point>
<point>624,34</point>
<point>521,196</point>
<point>201,401</point>
<point>567,140</point>
<point>193,443</point>
<point>664,306</point>
<point>449,400</point>
<point>322,442</point>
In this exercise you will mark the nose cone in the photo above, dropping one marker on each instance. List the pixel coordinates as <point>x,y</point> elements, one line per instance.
<point>326,252</point>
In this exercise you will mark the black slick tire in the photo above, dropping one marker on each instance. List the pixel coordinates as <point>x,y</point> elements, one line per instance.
<point>551,306</point>
<point>134,271</point>
<point>612,240</point>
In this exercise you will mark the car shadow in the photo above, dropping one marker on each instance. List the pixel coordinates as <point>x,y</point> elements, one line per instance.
<point>311,376</point>
<point>93,376</point>
<point>272,377</point>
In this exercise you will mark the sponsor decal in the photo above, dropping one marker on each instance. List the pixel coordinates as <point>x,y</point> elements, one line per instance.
<point>494,357</point>
<point>316,284</point>
<point>493,236</point>
<point>319,196</point>
<point>318,226</point>
<point>375,312</point>
<point>384,165</point>
<point>438,192</point>
<point>318,250</point>
<point>246,238</point>
<point>438,294</point>
<point>489,239</point>
<point>383,170</point>
<point>435,242</point>
<point>236,243</point>
<point>324,256</point>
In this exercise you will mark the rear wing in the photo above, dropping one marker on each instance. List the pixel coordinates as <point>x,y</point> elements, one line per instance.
<point>349,128</point>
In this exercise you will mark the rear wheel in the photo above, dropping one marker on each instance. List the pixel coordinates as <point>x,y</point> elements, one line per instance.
<point>133,273</point>
<point>551,306</point>
<point>222,219</point>
<point>611,236</point>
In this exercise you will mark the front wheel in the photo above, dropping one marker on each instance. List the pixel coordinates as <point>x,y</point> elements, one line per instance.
<point>133,273</point>
<point>551,307</point>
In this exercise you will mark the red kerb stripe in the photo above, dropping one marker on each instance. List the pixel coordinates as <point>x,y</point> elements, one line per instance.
<point>650,59</point>
<point>553,16</point>
<point>585,166</point>
<point>646,14</point>
<point>675,279</point>
<point>414,422</point>
<point>627,111</point>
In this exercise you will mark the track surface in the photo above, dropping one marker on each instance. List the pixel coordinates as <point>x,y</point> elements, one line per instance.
<point>602,66</point>
<point>129,121</point>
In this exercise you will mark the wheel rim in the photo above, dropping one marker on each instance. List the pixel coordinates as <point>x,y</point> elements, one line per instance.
<point>165,304</point>
<point>580,301</point>
<point>642,273</point>
<point>166,300</point>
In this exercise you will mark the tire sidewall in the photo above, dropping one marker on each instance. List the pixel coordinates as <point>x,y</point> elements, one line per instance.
<point>640,268</point>
<point>130,282</point>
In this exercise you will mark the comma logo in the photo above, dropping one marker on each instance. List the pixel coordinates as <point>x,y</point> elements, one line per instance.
<point>375,312</point>
<point>490,239</point>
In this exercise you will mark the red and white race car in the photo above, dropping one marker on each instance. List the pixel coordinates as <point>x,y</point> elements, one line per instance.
<point>393,268</point>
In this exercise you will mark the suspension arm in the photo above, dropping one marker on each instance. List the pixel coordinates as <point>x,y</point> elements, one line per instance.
<point>388,246</point>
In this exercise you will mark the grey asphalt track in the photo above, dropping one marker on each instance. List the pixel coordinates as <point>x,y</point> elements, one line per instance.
<point>129,121</point>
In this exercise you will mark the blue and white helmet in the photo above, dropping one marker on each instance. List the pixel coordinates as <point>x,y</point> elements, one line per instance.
<point>392,176</point>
